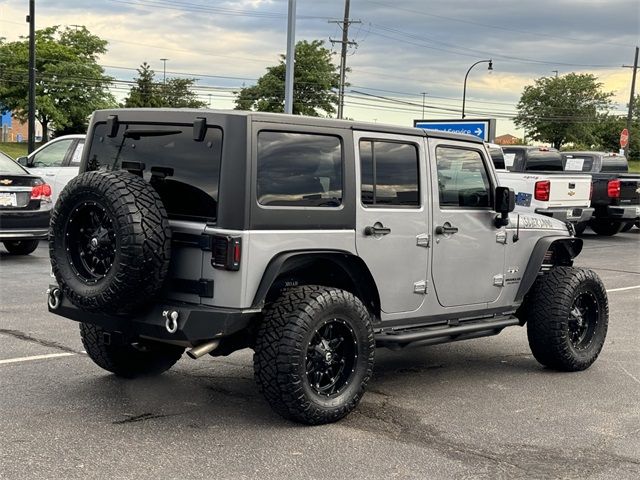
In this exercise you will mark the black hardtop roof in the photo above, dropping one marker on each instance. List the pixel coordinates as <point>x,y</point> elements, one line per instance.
<point>187,115</point>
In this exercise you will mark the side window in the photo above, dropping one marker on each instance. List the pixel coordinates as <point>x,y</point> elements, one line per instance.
<point>389,174</point>
<point>462,178</point>
<point>52,155</point>
<point>299,169</point>
<point>77,154</point>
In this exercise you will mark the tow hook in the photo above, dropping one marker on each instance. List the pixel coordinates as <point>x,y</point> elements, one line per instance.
<point>53,298</point>
<point>171,320</point>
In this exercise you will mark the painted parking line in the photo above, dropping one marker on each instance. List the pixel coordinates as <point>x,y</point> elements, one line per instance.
<point>36,357</point>
<point>622,289</point>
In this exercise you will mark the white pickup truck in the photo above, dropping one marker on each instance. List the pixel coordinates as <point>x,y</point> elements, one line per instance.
<point>536,175</point>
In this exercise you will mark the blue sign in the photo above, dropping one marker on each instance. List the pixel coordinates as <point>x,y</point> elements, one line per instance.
<point>477,128</point>
<point>5,118</point>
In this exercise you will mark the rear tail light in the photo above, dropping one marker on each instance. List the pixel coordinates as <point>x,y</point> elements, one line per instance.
<point>227,252</point>
<point>613,189</point>
<point>542,190</point>
<point>41,192</point>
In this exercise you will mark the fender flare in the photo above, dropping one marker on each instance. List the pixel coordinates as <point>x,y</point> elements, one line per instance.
<point>571,247</point>
<point>351,264</point>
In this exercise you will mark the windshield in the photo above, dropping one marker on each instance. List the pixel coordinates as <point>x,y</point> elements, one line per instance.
<point>185,172</point>
<point>10,167</point>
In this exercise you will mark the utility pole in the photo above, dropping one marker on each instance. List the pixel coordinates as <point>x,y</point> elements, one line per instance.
<point>343,55</point>
<point>291,58</point>
<point>631,98</point>
<point>164,70</point>
<point>31,122</point>
<point>556,72</point>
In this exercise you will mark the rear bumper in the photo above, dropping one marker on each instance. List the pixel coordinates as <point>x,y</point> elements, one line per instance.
<point>621,213</point>
<point>23,225</point>
<point>195,324</point>
<point>568,214</point>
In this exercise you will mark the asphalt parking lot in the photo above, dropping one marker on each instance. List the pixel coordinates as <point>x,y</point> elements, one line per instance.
<point>476,409</point>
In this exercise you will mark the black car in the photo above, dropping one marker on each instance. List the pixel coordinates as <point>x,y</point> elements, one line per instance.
<point>25,208</point>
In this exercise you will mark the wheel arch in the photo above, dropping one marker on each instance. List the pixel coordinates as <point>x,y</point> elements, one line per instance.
<point>564,249</point>
<point>331,268</point>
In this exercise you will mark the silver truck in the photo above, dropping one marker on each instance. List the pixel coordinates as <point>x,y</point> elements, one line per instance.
<point>311,241</point>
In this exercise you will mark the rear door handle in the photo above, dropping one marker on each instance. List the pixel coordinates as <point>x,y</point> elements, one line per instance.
<point>376,229</point>
<point>446,229</point>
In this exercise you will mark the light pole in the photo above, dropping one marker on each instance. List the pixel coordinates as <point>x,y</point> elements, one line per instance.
<point>164,70</point>
<point>290,60</point>
<point>424,94</point>
<point>464,91</point>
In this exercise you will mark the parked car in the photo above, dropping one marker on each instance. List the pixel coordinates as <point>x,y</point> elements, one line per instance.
<point>310,240</point>
<point>25,207</point>
<point>615,192</point>
<point>57,161</point>
<point>540,184</point>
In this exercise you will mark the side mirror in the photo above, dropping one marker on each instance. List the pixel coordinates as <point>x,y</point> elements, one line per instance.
<point>505,202</point>
<point>23,161</point>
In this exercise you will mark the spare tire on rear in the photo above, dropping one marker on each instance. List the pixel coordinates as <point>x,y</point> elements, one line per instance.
<point>110,242</point>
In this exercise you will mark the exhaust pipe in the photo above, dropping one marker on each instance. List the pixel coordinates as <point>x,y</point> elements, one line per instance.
<point>203,349</point>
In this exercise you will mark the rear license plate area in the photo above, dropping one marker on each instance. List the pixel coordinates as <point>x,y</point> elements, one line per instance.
<point>8,199</point>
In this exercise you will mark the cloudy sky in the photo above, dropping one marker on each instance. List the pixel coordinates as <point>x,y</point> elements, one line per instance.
<point>404,47</point>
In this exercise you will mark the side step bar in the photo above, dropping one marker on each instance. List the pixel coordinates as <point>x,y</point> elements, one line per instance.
<point>399,339</point>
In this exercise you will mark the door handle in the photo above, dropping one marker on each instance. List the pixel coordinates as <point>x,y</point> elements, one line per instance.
<point>446,229</point>
<point>376,229</point>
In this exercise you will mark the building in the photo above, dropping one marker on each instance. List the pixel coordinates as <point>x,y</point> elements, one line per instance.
<point>507,140</point>
<point>13,130</point>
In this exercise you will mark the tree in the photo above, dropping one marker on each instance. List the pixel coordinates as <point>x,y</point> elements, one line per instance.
<point>610,126</point>
<point>174,93</point>
<point>69,82</point>
<point>315,79</point>
<point>562,109</point>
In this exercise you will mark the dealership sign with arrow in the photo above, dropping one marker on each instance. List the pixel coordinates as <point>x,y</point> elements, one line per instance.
<point>484,129</point>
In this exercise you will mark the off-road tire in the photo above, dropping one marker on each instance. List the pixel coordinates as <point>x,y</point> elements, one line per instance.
<point>141,242</point>
<point>280,359</point>
<point>606,227</point>
<point>21,247</point>
<point>128,360</point>
<point>549,312</point>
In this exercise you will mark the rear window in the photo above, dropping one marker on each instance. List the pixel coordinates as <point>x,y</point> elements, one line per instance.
<point>9,167</point>
<point>498,158</point>
<point>614,164</point>
<point>184,172</point>
<point>577,163</point>
<point>543,161</point>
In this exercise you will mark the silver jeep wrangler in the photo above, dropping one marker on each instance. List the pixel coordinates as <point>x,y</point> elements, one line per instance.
<point>311,241</point>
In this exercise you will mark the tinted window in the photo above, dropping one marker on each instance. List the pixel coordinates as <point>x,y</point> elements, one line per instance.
<point>543,161</point>
<point>498,157</point>
<point>183,171</point>
<point>462,178</point>
<point>577,163</point>
<point>389,173</point>
<point>299,169</point>
<point>52,155</point>
<point>614,164</point>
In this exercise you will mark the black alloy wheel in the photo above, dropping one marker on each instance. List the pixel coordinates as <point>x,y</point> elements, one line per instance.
<point>90,241</point>
<point>331,357</point>
<point>583,320</point>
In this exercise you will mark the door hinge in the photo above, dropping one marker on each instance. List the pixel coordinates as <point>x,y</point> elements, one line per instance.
<point>501,237</point>
<point>423,240</point>
<point>420,287</point>
<point>498,280</point>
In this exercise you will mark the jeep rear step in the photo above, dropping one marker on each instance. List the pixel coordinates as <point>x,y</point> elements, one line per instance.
<point>431,335</point>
